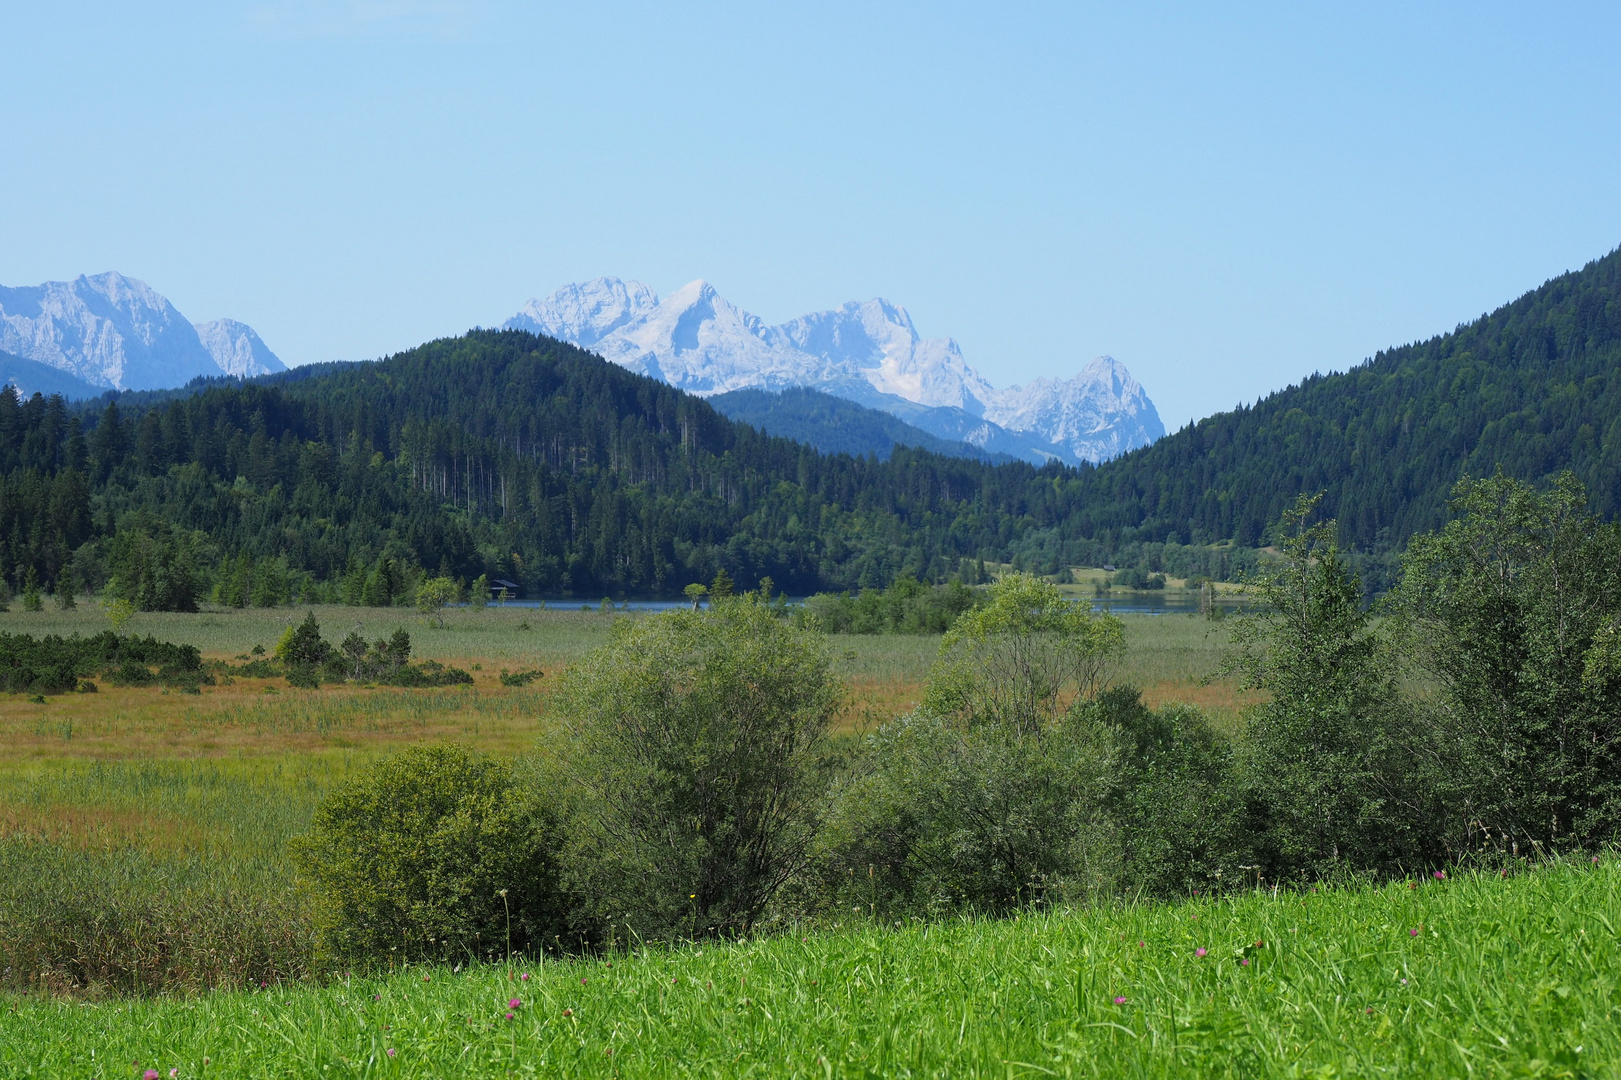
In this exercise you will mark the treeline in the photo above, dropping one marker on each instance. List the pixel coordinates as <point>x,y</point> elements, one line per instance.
<point>690,791</point>
<point>499,454</point>
<point>1533,389</point>
<point>520,458</point>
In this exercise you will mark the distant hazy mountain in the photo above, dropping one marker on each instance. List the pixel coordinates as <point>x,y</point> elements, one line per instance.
<point>113,331</point>
<point>835,425</point>
<point>237,349</point>
<point>32,377</point>
<point>869,353</point>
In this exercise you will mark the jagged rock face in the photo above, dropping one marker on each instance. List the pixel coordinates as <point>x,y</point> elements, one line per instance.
<point>1099,414</point>
<point>113,331</point>
<point>867,352</point>
<point>237,349</point>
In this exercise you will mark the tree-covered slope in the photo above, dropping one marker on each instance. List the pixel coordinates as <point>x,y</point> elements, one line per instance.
<point>834,425</point>
<point>517,456</point>
<point>498,453</point>
<point>1532,388</point>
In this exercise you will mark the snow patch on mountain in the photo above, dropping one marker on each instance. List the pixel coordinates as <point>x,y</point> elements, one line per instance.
<point>870,353</point>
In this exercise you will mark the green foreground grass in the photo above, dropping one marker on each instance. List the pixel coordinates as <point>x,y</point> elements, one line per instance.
<point>1475,976</point>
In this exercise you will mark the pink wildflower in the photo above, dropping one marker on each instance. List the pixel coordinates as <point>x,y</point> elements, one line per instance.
<point>150,1074</point>
<point>1120,1001</point>
<point>514,1003</point>
<point>509,1016</point>
<point>1201,951</point>
<point>1244,962</point>
<point>391,1051</point>
<point>1439,875</point>
<point>1413,932</point>
<point>524,977</point>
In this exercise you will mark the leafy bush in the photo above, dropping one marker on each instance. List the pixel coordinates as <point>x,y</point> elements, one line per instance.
<point>691,755</point>
<point>984,817</point>
<point>522,677</point>
<point>993,793</point>
<point>1015,660</point>
<point>906,607</point>
<point>1177,799</point>
<point>1512,610</point>
<point>436,854</point>
<point>435,594</point>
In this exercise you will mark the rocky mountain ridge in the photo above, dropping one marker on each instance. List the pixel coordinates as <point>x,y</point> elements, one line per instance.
<point>869,353</point>
<point>110,331</point>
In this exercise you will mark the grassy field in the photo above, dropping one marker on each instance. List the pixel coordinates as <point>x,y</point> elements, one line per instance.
<point>133,808</point>
<point>1476,976</point>
<point>147,831</point>
<point>237,769</point>
<point>1167,655</point>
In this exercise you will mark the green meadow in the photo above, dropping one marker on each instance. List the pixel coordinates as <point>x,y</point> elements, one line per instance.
<point>1477,975</point>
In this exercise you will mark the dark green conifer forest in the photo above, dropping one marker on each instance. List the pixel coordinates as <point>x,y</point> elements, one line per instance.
<point>518,457</point>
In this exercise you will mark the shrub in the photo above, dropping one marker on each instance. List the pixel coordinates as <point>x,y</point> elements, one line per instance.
<point>435,594</point>
<point>1512,610</point>
<point>691,755</point>
<point>522,677</point>
<point>303,645</point>
<point>945,815</point>
<point>436,854</point>
<point>993,794</point>
<point>1176,799</point>
<point>54,665</point>
<point>906,607</point>
<point>1016,660</point>
<point>1332,759</point>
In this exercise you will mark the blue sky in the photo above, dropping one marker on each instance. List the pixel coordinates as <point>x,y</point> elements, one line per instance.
<point>1224,197</point>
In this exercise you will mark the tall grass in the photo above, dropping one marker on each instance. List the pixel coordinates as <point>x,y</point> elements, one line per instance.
<point>1478,976</point>
<point>325,712</point>
<point>150,877</point>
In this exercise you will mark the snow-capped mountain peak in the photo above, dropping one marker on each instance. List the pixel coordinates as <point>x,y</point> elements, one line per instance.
<point>115,331</point>
<point>869,352</point>
<point>587,312</point>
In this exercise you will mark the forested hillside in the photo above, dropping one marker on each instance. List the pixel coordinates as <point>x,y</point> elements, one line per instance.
<point>515,456</point>
<point>1533,388</point>
<point>498,453</point>
<point>835,425</point>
